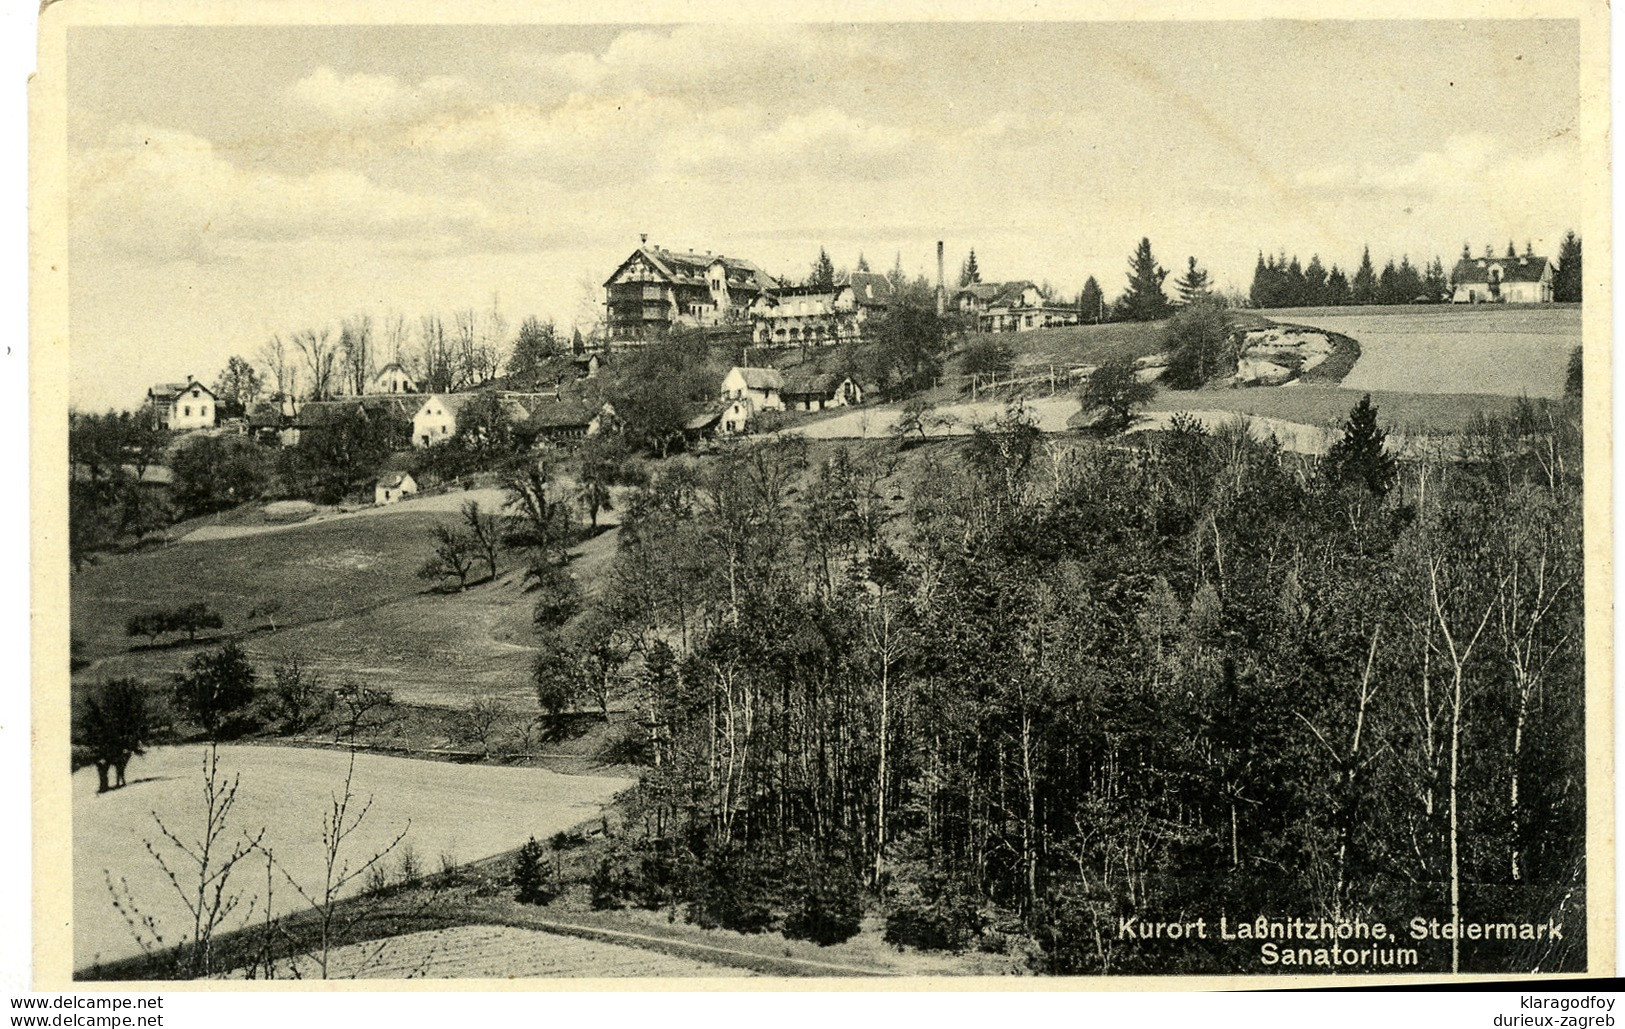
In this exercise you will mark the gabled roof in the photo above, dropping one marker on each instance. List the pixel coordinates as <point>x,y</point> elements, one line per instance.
<point>869,288</point>
<point>267,414</point>
<point>392,480</point>
<point>400,406</point>
<point>813,383</point>
<point>981,290</point>
<point>759,378</point>
<point>171,390</point>
<point>687,268</point>
<point>1513,269</point>
<point>316,414</point>
<point>562,414</point>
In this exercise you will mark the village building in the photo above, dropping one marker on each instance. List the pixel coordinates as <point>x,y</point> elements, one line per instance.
<point>654,290</point>
<point>393,486</point>
<point>567,418</point>
<point>816,315</point>
<point>761,386</point>
<point>817,391</point>
<point>182,406</point>
<point>392,414</point>
<point>391,378</point>
<point>1502,280</point>
<point>1011,307</point>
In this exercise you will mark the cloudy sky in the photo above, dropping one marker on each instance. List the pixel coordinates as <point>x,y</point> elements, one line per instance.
<point>231,183</point>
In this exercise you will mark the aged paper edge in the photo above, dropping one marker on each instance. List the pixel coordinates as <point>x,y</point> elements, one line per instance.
<point>48,368</point>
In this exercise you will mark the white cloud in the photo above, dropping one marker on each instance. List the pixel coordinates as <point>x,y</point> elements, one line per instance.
<point>720,59</point>
<point>362,98</point>
<point>169,195</point>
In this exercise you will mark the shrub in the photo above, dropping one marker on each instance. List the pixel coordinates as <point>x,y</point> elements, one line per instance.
<point>529,877</point>
<point>933,914</point>
<point>730,890</point>
<point>827,907</point>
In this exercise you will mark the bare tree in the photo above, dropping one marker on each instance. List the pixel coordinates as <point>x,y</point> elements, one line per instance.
<point>199,871</point>
<point>485,530</point>
<point>493,341</point>
<point>345,815</point>
<point>355,342</point>
<point>434,359</point>
<point>280,366</point>
<point>479,722</point>
<point>321,359</point>
<point>396,336</point>
<point>465,327</point>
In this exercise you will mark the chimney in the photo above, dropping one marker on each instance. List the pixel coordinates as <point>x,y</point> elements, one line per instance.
<point>941,293</point>
<point>643,239</point>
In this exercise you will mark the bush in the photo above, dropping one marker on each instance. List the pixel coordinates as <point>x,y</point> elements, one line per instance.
<point>729,890</point>
<point>933,914</point>
<point>529,876</point>
<point>216,687</point>
<point>827,908</point>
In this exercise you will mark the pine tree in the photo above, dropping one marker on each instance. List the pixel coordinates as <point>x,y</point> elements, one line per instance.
<point>1337,288</point>
<point>1359,458</point>
<point>968,272</point>
<point>528,874</point>
<point>1314,282</point>
<point>1144,300</point>
<point>823,272</point>
<point>1193,285</point>
<point>1091,302</point>
<point>1566,283</point>
<point>863,262</point>
<point>1365,280</point>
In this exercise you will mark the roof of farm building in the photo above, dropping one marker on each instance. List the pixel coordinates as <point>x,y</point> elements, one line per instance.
<point>760,378</point>
<point>1513,269</point>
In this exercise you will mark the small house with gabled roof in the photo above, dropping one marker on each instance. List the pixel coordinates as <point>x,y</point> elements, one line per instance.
<point>1502,280</point>
<point>392,487</point>
<point>181,406</point>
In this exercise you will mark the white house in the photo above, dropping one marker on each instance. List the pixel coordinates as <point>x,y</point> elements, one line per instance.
<point>392,378</point>
<point>436,421</point>
<point>763,387</point>
<point>182,405</point>
<point>1502,280</point>
<point>392,486</point>
<point>1011,307</point>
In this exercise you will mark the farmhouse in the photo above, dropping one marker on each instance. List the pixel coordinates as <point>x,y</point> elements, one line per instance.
<point>392,378</point>
<point>566,418</point>
<point>761,386</point>
<point>655,289</point>
<point>1011,307</point>
<point>392,486</point>
<point>811,314</point>
<point>180,406</point>
<point>1502,280</point>
<point>815,392</point>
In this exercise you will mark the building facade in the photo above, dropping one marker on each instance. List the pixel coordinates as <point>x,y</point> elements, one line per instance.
<point>1502,280</point>
<point>1011,307</point>
<point>181,406</point>
<point>655,290</point>
<point>809,314</point>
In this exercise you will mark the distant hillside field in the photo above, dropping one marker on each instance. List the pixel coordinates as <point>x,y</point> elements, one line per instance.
<point>1519,350</point>
<point>351,605</point>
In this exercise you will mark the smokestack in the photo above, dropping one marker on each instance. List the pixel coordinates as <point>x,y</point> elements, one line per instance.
<point>941,293</point>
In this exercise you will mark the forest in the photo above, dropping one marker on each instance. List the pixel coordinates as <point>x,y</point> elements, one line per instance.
<point>1050,684</point>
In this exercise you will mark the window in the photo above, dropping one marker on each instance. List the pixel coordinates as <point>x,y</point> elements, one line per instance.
<point>187,410</point>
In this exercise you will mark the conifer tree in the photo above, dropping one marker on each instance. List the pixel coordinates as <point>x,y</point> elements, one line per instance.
<point>968,272</point>
<point>1091,302</point>
<point>1359,457</point>
<point>1566,283</point>
<point>1193,285</point>
<point>1144,300</point>
<point>1365,280</point>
